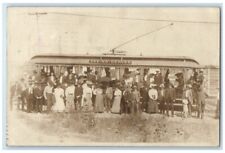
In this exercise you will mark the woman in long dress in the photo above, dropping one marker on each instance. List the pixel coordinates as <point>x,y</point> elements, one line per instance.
<point>116,101</point>
<point>99,100</point>
<point>69,93</point>
<point>59,105</point>
<point>153,96</point>
<point>87,97</point>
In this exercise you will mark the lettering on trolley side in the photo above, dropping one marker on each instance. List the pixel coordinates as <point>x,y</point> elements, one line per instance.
<point>116,62</point>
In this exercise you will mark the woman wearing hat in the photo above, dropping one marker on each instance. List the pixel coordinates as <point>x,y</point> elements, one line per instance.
<point>48,95</point>
<point>69,93</point>
<point>153,96</point>
<point>116,101</point>
<point>99,103</point>
<point>108,98</point>
<point>59,105</point>
<point>86,102</point>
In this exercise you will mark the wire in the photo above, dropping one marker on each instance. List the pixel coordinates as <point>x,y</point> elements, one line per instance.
<point>137,19</point>
<point>142,35</point>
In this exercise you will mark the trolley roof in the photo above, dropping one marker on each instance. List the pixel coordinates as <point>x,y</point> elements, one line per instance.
<point>115,60</point>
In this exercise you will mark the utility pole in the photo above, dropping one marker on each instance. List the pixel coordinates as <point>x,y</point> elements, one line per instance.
<point>38,14</point>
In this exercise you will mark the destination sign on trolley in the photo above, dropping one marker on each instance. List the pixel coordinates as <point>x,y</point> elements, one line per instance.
<point>126,62</point>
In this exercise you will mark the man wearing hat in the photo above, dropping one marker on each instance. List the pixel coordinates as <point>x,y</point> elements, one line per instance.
<point>64,79</point>
<point>144,97</point>
<point>200,78</point>
<point>35,76</point>
<point>170,99</point>
<point>108,98</point>
<point>127,99</point>
<point>78,95</point>
<point>180,84</point>
<point>158,78</point>
<point>135,100</point>
<point>161,98</point>
<point>189,97</point>
<point>22,94</point>
<point>29,94</point>
<point>200,95</point>
<point>38,95</point>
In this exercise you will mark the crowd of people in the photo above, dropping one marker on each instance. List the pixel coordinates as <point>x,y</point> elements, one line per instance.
<point>70,92</point>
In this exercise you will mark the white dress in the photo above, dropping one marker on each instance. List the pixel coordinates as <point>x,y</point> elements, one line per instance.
<point>86,102</point>
<point>69,93</point>
<point>59,105</point>
<point>116,101</point>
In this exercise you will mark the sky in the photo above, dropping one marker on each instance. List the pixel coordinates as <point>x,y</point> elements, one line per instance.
<point>60,31</point>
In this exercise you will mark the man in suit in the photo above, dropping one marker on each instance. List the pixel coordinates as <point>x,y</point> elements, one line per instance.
<point>127,100</point>
<point>29,94</point>
<point>38,95</point>
<point>201,103</point>
<point>108,98</point>
<point>200,95</point>
<point>135,96</point>
<point>158,79</point>
<point>144,97</point>
<point>22,93</point>
<point>78,96</point>
<point>189,97</point>
<point>161,99</point>
<point>170,99</point>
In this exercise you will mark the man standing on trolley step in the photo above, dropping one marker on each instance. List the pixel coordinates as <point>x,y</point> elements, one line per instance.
<point>200,95</point>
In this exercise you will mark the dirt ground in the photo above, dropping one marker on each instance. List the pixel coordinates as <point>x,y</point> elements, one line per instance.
<point>77,129</point>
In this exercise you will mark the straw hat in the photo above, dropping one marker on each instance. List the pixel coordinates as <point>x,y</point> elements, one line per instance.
<point>89,82</point>
<point>161,86</point>
<point>189,85</point>
<point>152,85</point>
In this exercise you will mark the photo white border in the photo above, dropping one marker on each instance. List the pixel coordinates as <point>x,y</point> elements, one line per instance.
<point>3,71</point>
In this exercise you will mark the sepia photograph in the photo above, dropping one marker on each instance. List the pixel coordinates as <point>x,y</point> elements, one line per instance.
<point>113,76</point>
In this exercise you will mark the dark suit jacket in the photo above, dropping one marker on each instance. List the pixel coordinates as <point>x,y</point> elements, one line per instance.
<point>29,95</point>
<point>127,96</point>
<point>135,96</point>
<point>170,94</point>
<point>38,92</point>
<point>144,94</point>
<point>78,91</point>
